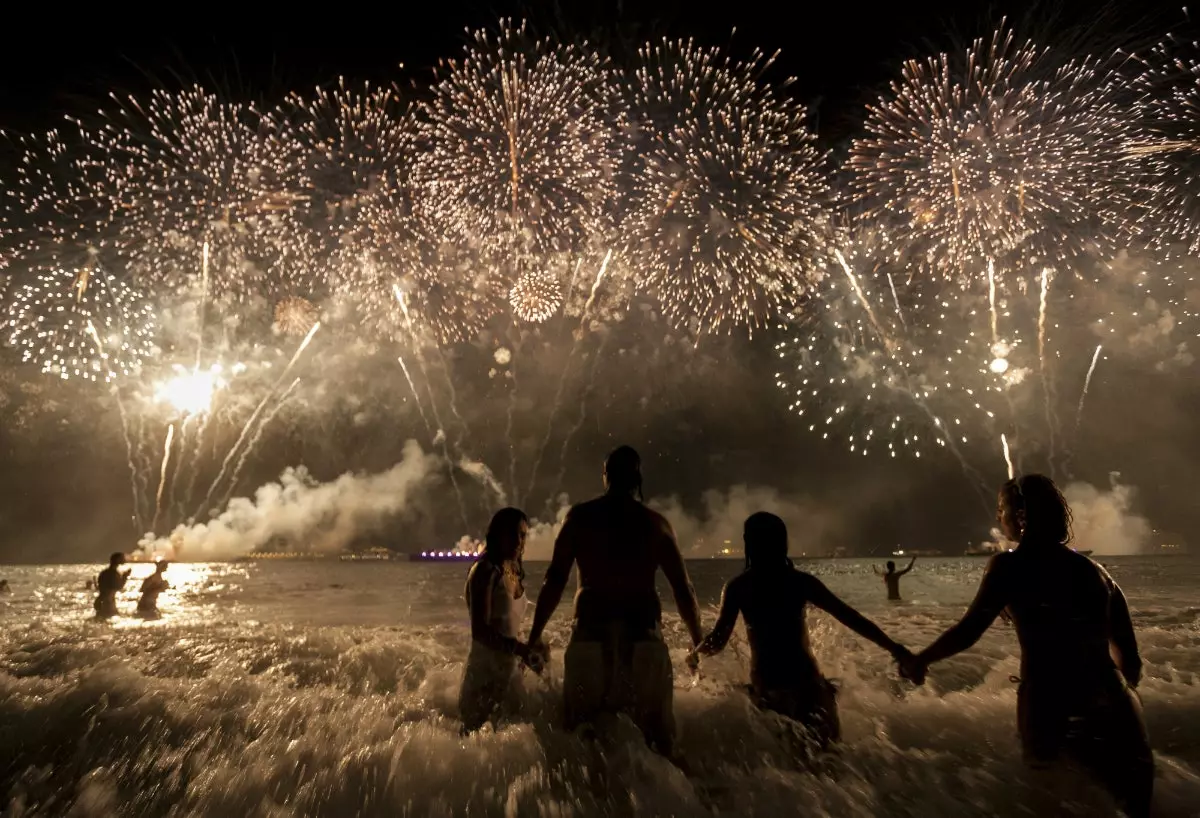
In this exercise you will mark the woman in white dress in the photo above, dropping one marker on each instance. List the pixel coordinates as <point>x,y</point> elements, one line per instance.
<point>494,587</point>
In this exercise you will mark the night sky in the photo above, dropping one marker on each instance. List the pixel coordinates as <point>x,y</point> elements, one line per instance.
<point>729,425</point>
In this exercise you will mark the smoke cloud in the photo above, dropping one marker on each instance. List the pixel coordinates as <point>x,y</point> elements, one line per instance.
<point>1103,520</point>
<point>717,526</point>
<point>298,513</point>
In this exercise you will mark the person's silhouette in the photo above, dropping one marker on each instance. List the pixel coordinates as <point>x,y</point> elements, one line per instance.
<point>617,660</point>
<point>494,586</point>
<point>1074,703</point>
<point>111,580</point>
<point>771,595</point>
<point>152,586</point>
<point>891,577</point>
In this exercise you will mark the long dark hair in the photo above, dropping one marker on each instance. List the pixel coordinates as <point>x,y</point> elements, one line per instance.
<point>1043,511</point>
<point>766,541</point>
<point>501,531</point>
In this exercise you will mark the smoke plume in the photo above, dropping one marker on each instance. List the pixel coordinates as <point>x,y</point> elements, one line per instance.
<point>298,513</point>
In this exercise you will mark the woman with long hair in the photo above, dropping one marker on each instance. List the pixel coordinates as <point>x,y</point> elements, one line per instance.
<point>494,586</point>
<point>1076,702</point>
<point>771,595</point>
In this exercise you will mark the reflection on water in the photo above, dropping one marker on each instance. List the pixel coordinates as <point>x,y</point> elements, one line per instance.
<point>329,688</point>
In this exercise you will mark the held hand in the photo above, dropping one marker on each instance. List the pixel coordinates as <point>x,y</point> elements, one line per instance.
<point>537,656</point>
<point>912,668</point>
<point>693,662</point>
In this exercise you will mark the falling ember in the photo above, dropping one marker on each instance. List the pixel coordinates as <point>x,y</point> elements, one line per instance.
<point>1007,457</point>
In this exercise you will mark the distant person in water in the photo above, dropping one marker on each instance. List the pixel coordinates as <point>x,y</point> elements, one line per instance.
<point>494,585</point>
<point>891,577</point>
<point>111,580</point>
<point>4,589</point>
<point>616,661</point>
<point>152,586</point>
<point>771,595</point>
<point>1075,703</point>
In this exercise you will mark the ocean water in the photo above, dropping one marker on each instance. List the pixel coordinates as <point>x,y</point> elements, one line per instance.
<point>326,688</point>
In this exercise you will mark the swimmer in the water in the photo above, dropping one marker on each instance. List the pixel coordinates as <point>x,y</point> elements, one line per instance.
<point>616,660</point>
<point>494,585</point>
<point>152,586</point>
<point>891,577</point>
<point>771,595</point>
<point>111,580</point>
<point>4,589</point>
<point>1075,703</point>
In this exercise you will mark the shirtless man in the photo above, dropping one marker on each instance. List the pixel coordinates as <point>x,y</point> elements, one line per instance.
<point>771,595</point>
<point>616,660</point>
<point>891,578</point>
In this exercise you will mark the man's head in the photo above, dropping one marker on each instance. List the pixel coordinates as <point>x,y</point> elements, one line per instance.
<point>160,566</point>
<point>116,559</point>
<point>623,471</point>
<point>891,566</point>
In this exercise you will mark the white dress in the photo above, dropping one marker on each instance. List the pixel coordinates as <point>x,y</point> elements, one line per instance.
<point>489,672</point>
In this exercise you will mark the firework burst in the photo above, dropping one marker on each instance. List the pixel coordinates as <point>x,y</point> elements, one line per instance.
<point>726,203</point>
<point>295,316</point>
<point>188,169</point>
<point>1168,88</point>
<point>520,144</point>
<point>535,297</point>
<point>1008,158</point>
<point>81,325</point>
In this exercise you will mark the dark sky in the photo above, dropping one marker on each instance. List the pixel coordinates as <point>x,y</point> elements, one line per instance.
<point>54,63</point>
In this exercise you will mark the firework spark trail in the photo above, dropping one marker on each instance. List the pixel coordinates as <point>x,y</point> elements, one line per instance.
<point>180,465</point>
<point>440,438</point>
<point>250,423</point>
<point>201,428</point>
<point>896,301</point>
<point>416,395</point>
<point>1007,456</point>
<point>991,273</point>
<point>862,299</point>
<point>583,401</point>
<point>203,299</point>
<point>1047,389</point>
<point>266,421</point>
<point>508,421</point>
<point>162,478</point>
<point>1086,383</point>
<point>133,471</point>
<point>562,381</point>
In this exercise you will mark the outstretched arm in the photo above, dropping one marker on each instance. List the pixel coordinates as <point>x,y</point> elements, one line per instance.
<point>716,640</point>
<point>990,600</point>
<point>671,563</point>
<point>556,580</point>
<point>1121,630</point>
<point>825,599</point>
<point>909,568</point>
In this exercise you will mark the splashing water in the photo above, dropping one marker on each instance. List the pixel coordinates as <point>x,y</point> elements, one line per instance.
<point>278,688</point>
